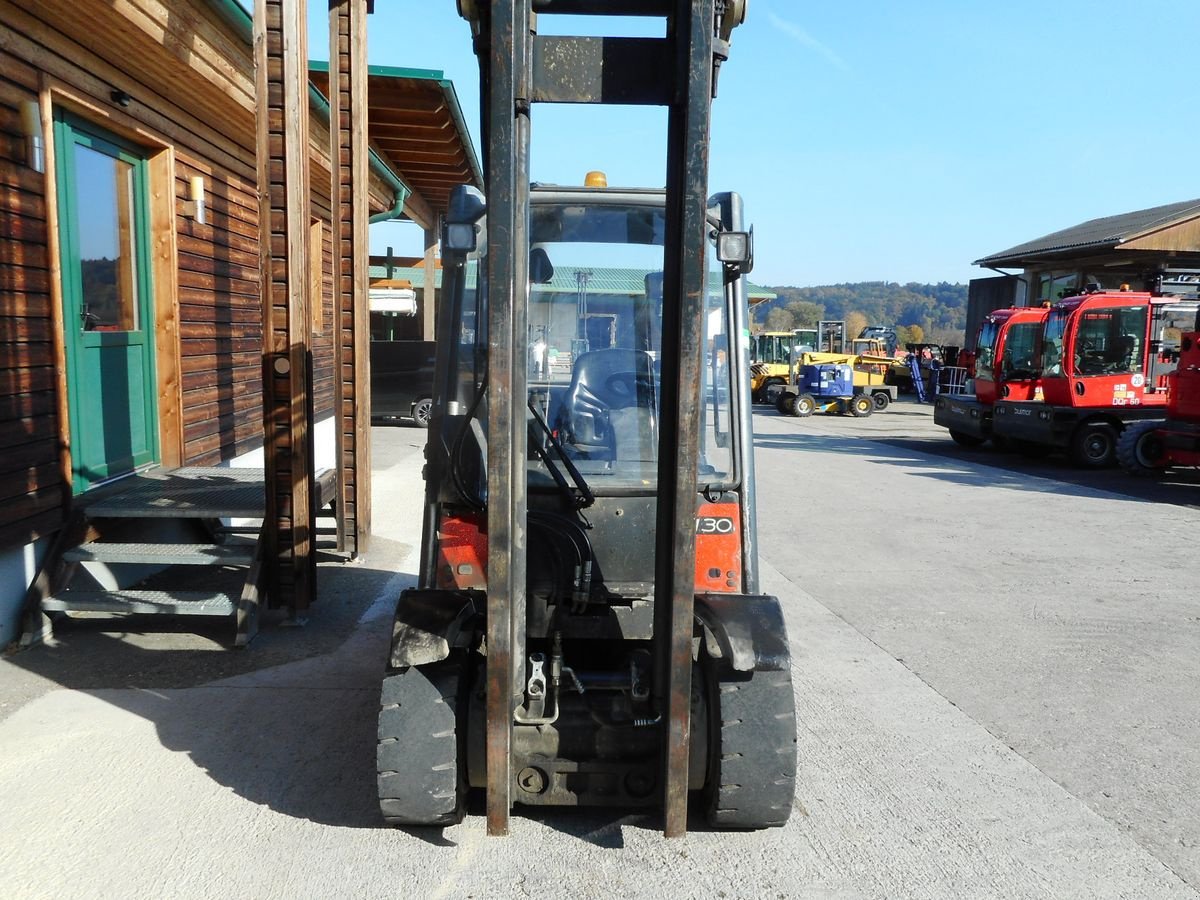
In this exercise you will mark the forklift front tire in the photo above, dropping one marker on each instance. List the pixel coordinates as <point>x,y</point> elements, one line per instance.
<point>420,775</point>
<point>752,755</point>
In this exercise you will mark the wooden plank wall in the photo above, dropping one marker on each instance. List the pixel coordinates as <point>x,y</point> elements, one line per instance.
<point>211,133</point>
<point>31,487</point>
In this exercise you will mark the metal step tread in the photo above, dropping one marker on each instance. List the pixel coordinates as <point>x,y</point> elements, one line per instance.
<point>175,603</point>
<point>167,554</point>
<point>190,492</point>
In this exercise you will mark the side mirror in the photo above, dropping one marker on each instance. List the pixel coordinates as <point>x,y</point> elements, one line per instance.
<point>541,270</point>
<point>736,250</point>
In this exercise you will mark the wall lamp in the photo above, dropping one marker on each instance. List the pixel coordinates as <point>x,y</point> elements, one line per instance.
<point>196,206</point>
<point>31,128</point>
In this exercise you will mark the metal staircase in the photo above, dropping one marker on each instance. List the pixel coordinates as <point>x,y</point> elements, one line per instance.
<point>184,542</point>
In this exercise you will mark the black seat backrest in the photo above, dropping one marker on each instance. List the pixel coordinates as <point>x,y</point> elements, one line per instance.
<point>601,381</point>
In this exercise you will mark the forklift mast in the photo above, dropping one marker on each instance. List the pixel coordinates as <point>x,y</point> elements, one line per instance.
<point>519,67</point>
<point>587,628</point>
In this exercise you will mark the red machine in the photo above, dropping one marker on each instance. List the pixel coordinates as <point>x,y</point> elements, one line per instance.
<point>1105,360</point>
<point>1148,446</point>
<point>1006,365</point>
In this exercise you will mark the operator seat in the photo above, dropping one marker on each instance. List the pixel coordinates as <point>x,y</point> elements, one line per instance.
<point>610,410</point>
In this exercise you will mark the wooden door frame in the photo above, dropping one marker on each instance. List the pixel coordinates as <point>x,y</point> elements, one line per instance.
<point>164,267</point>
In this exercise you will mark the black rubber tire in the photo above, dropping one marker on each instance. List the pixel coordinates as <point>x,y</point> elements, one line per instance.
<point>1140,449</point>
<point>861,406</point>
<point>1094,445</point>
<point>419,762</point>
<point>422,410</point>
<point>783,403</point>
<point>880,401</point>
<point>966,440</point>
<point>752,751</point>
<point>804,406</point>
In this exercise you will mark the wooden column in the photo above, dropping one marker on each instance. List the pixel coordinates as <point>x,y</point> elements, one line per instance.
<point>281,83</point>
<point>428,296</point>
<point>348,135</point>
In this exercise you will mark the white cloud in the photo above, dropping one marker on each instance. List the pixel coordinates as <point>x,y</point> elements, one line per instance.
<point>800,36</point>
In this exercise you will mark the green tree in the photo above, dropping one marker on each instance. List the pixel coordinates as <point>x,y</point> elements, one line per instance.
<point>918,334</point>
<point>805,313</point>
<point>855,323</point>
<point>780,320</point>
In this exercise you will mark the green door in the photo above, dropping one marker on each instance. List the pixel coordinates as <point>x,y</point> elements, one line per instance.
<point>107,303</point>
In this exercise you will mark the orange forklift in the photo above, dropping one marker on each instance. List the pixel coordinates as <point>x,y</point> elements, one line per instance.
<point>588,627</point>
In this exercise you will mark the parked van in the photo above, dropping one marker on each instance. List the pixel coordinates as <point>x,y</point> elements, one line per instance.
<point>402,381</point>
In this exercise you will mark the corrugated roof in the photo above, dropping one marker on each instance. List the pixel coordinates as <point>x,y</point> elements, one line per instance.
<point>1106,232</point>
<point>601,280</point>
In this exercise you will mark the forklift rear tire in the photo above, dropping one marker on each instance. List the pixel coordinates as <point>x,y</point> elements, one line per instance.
<point>1140,449</point>
<point>420,772</point>
<point>783,403</point>
<point>880,401</point>
<point>1094,445</point>
<point>752,752</point>
<point>861,406</point>
<point>803,406</point>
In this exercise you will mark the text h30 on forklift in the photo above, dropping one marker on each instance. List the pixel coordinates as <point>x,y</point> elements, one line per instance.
<point>588,627</point>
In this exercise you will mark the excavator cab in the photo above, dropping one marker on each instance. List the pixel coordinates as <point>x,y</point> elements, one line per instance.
<point>588,627</point>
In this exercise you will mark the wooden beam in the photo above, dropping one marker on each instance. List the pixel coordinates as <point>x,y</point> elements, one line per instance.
<point>428,301</point>
<point>281,82</point>
<point>350,183</point>
<point>164,260</point>
<point>59,339</point>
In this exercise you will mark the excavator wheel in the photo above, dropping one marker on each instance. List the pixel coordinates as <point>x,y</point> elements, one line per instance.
<point>1140,449</point>
<point>418,758</point>
<point>752,757</point>
<point>1094,445</point>
<point>861,406</point>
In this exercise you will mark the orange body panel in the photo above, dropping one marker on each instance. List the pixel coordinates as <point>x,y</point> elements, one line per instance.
<point>462,553</point>
<point>718,549</point>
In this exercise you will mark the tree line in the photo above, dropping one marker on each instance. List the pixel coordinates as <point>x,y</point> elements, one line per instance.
<point>918,312</point>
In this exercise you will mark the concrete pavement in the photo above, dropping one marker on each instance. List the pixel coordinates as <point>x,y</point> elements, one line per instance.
<point>252,774</point>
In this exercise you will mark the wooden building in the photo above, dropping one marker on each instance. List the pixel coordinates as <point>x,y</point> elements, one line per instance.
<point>131,303</point>
<point>1154,249</point>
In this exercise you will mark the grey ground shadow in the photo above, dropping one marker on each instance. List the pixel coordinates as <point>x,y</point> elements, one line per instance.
<point>295,730</point>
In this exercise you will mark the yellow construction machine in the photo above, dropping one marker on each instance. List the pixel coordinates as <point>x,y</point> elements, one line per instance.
<point>869,360</point>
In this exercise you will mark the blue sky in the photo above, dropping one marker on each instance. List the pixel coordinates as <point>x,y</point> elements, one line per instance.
<point>878,140</point>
